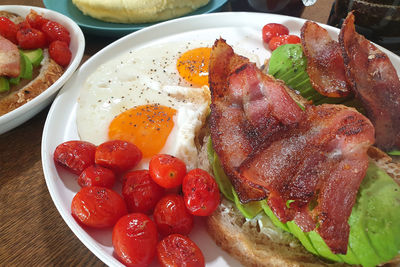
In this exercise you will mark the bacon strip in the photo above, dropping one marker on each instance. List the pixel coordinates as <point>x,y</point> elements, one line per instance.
<point>324,61</point>
<point>375,82</point>
<point>9,58</point>
<point>269,147</point>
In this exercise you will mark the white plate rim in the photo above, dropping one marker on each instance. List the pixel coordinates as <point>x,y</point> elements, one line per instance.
<point>77,46</point>
<point>228,19</point>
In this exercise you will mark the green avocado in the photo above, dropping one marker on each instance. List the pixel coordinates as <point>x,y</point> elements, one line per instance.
<point>26,67</point>
<point>249,210</point>
<point>4,84</point>
<point>224,184</point>
<point>378,207</point>
<point>289,64</point>
<point>35,56</point>
<point>374,222</point>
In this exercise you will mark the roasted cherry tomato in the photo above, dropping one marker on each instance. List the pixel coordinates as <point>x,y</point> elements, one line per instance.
<point>171,216</point>
<point>30,38</point>
<point>134,239</point>
<point>200,192</point>
<point>271,30</point>
<point>179,250</point>
<point>96,175</point>
<point>55,32</point>
<point>35,20</point>
<point>118,155</point>
<point>283,39</point>
<point>8,29</point>
<point>60,53</point>
<point>75,155</point>
<point>98,207</point>
<point>166,170</point>
<point>140,192</point>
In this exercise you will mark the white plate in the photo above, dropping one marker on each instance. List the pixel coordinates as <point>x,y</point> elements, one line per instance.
<point>240,29</point>
<point>18,116</point>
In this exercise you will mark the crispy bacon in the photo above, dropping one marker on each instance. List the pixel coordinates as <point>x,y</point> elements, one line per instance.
<point>9,58</point>
<point>237,100</point>
<point>269,147</point>
<point>375,82</point>
<point>324,61</point>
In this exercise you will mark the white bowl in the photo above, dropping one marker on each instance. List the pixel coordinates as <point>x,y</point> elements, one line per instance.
<point>18,116</point>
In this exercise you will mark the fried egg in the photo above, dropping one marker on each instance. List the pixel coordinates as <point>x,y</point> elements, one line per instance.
<point>156,97</point>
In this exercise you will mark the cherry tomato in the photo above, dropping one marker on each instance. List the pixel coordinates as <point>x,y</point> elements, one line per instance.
<point>8,29</point>
<point>60,52</point>
<point>179,250</point>
<point>283,39</point>
<point>96,175</point>
<point>75,156</point>
<point>140,192</point>
<point>171,216</point>
<point>271,30</point>
<point>55,32</point>
<point>35,20</point>
<point>166,170</point>
<point>118,155</point>
<point>23,25</point>
<point>200,192</point>
<point>98,207</point>
<point>134,238</point>
<point>30,38</point>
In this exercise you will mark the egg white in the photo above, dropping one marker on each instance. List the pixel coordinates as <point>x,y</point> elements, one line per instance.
<point>146,76</point>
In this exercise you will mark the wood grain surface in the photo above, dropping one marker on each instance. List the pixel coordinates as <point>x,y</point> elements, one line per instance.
<point>32,233</point>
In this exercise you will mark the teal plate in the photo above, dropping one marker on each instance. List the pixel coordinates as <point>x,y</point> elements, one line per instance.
<point>97,27</point>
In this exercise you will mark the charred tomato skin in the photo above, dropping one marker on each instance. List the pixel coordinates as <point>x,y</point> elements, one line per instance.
<point>98,207</point>
<point>31,38</point>
<point>167,171</point>
<point>179,250</point>
<point>118,155</point>
<point>75,155</point>
<point>134,239</point>
<point>96,175</point>
<point>140,192</point>
<point>200,192</point>
<point>172,217</point>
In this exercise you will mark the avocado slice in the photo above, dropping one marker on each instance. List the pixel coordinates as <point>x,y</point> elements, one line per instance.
<point>249,210</point>
<point>35,56</point>
<point>303,237</point>
<point>224,184</point>
<point>4,84</point>
<point>272,217</point>
<point>14,80</point>
<point>26,67</point>
<point>380,204</point>
<point>279,64</point>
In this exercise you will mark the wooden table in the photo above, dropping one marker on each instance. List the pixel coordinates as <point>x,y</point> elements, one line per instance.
<point>32,233</point>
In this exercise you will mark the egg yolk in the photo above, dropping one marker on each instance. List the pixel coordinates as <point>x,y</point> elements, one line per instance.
<point>146,126</point>
<point>193,65</point>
